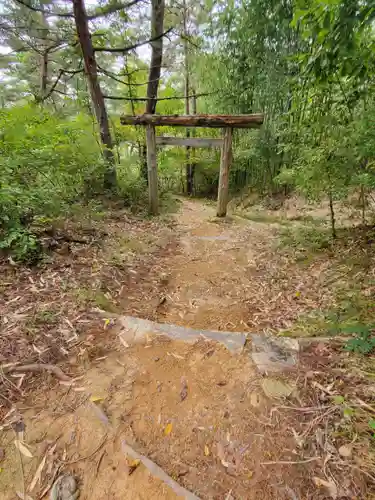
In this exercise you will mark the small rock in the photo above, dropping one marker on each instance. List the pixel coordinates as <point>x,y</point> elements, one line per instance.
<point>2,454</point>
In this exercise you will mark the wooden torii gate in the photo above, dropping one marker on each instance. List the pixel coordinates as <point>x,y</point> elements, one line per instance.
<point>227,122</point>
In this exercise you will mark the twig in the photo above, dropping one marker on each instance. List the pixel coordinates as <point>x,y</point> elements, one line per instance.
<point>99,462</point>
<point>38,367</point>
<point>363,404</point>
<point>49,486</point>
<point>286,462</point>
<point>307,409</point>
<point>66,462</point>
<point>21,467</point>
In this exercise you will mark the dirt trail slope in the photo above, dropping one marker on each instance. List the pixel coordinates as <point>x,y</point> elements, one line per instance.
<point>229,275</point>
<point>196,410</point>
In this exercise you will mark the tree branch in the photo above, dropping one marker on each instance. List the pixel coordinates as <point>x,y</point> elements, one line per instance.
<point>131,47</point>
<point>101,12</point>
<point>120,98</point>
<point>110,9</point>
<point>114,77</point>
<point>45,12</point>
<point>58,78</point>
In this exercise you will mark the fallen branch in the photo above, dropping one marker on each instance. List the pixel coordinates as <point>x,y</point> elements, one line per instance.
<point>286,462</point>
<point>37,367</point>
<point>69,462</point>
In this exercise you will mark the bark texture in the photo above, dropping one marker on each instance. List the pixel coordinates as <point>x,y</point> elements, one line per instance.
<point>91,70</point>
<point>210,121</point>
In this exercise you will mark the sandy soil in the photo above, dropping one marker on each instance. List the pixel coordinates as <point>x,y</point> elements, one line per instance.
<point>196,410</point>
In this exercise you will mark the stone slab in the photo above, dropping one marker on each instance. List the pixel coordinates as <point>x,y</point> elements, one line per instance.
<point>137,329</point>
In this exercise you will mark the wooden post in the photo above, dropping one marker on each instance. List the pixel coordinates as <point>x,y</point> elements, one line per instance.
<point>225,161</point>
<point>152,170</point>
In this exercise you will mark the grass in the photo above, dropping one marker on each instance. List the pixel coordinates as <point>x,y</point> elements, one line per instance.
<point>98,298</point>
<point>305,238</point>
<point>351,313</point>
<point>263,217</point>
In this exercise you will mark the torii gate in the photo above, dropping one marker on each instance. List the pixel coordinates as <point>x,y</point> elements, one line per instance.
<point>227,122</point>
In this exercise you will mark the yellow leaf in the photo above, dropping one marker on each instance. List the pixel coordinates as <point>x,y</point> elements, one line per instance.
<point>134,463</point>
<point>298,294</point>
<point>95,399</point>
<point>250,474</point>
<point>22,448</point>
<point>168,429</point>
<point>206,450</point>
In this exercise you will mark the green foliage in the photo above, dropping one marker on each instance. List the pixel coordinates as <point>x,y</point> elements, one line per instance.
<point>364,341</point>
<point>307,238</point>
<point>371,424</point>
<point>22,245</point>
<point>47,162</point>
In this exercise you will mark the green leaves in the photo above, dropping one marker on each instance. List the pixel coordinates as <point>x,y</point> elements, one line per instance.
<point>46,163</point>
<point>364,341</point>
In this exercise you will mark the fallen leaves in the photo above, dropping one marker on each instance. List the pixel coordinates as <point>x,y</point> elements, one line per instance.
<point>184,389</point>
<point>22,448</point>
<point>132,465</point>
<point>38,474</point>
<point>168,429</point>
<point>329,486</point>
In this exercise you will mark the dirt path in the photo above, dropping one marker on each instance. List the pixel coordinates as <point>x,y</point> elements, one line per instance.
<point>198,411</point>
<point>231,276</point>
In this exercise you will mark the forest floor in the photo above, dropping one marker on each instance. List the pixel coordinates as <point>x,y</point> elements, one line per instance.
<point>206,416</point>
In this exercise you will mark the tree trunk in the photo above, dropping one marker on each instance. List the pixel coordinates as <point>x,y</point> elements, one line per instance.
<point>189,185</point>
<point>157,29</point>
<point>43,74</point>
<point>43,58</point>
<point>333,221</point>
<point>192,152</point>
<point>100,110</point>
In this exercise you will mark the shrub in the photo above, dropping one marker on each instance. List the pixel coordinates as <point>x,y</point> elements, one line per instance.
<point>47,162</point>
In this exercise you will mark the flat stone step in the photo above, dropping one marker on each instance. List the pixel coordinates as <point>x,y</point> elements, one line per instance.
<point>137,329</point>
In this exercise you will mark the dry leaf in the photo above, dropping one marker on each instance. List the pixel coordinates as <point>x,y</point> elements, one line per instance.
<point>221,454</point>
<point>95,399</point>
<point>22,448</point>
<point>328,485</point>
<point>345,451</point>
<point>184,389</point>
<point>123,342</point>
<point>23,496</point>
<point>132,465</point>
<point>299,440</point>
<point>38,474</point>
<point>168,429</point>
<point>206,451</point>
<point>176,356</point>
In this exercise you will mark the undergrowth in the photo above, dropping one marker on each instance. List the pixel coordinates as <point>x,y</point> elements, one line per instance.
<point>51,168</point>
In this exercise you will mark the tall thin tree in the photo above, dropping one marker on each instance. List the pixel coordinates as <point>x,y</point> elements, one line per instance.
<point>91,70</point>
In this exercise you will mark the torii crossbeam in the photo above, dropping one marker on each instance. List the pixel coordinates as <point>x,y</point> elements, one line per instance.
<point>227,122</point>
